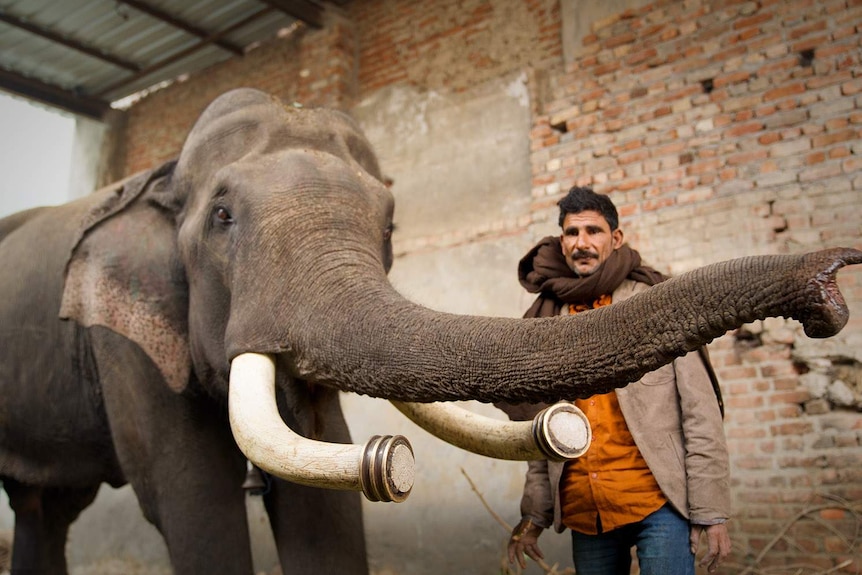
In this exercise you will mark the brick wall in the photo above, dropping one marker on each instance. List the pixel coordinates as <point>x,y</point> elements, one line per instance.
<point>706,116</point>
<point>723,129</point>
<point>452,44</point>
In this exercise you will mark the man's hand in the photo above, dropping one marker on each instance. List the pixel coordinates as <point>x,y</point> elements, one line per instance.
<point>525,539</point>
<point>718,541</point>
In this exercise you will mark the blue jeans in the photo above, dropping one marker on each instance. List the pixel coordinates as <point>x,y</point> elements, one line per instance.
<point>662,541</point>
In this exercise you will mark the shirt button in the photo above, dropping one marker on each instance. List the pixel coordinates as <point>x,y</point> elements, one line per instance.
<point>592,402</point>
<point>594,475</point>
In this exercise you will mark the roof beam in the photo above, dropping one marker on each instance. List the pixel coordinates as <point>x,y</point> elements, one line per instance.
<point>52,95</point>
<point>182,25</point>
<point>182,53</point>
<point>75,45</point>
<point>309,12</point>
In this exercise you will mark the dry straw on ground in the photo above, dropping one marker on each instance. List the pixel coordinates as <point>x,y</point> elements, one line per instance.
<point>812,512</point>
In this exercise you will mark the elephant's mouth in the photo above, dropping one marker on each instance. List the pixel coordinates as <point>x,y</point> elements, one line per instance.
<point>383,468</point>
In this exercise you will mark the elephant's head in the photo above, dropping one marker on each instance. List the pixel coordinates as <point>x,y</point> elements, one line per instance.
<point>267,246</point>
<point>274,199</point>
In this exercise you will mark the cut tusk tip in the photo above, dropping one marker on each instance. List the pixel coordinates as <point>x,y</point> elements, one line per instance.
<point>386,470</point>
<point>562,432</point>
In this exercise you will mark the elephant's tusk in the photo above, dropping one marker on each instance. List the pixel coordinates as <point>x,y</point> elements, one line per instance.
<point>382,469</point>
<point>559,432</point>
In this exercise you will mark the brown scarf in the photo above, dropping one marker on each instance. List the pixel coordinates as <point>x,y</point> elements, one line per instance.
<point>544,271</point>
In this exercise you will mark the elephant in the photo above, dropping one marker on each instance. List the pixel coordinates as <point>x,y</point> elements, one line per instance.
<point>162,331</point>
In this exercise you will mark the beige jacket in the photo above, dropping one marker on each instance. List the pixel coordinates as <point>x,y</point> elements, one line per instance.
<point>675,420</point>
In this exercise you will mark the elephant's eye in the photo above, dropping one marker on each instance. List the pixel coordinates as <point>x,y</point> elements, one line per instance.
<point>222,216</point>
<point>387,233</point>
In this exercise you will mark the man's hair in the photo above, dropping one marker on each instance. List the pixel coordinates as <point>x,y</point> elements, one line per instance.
<point>585,199</point>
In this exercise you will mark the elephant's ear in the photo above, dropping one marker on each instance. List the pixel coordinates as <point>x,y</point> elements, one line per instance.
<point>124,273</point>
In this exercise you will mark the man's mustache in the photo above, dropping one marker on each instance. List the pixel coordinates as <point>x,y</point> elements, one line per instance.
<point>580,254</point>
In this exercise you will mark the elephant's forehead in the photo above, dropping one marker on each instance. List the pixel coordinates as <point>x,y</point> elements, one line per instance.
<point>248,107</point>
<point>264,130</point>
<point>268,128</point>
<point>287,169</point>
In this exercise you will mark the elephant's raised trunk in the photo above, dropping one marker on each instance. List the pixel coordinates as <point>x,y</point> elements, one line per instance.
<point>382,345</point>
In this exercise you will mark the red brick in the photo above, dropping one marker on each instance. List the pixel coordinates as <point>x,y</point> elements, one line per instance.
<point>824,140</point>
<point>746,432</point>
<point>794,397</point>
<point>640,56</point>
<point>657,204</point>
<point>633,157</point>
<point>769,138</point>
<point>743,129</point>
<point>838,153</point>
<point>704,166</point>
<point>785,91</point>
<point>811,43</point>
<point>620,40</point>
<point>796,428</point>
<point>748,158</point>
<point>800,31</point>
<point>732,78</point>
<point>755,20</point>
<point>744,402</point>
<point>608,68</point>
<point>833,514</point>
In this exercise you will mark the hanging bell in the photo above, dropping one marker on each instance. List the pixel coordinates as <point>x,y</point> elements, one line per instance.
<point>254,483</point>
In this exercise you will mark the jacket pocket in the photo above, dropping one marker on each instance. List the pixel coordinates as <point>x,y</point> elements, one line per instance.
<point>676,440</point>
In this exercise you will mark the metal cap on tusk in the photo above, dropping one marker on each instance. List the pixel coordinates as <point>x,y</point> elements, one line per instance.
<point>560,432</point>
<point>383,469</point>
<point>386,468</point>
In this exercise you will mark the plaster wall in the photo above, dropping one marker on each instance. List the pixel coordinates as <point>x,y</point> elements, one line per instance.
<point>87,153</point>
<point>31,139</point>
<point>458,161</point>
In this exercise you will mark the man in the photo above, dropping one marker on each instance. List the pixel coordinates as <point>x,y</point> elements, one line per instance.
<point>656,476</point>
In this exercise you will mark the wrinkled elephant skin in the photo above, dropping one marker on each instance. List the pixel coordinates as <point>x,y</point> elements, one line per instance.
<point>120,315</point>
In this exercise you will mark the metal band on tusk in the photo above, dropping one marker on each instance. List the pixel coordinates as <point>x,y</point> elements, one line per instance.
<point>562,432</point>
<point>386,468</point>
<point>559,432</point>
<point>382,469</point>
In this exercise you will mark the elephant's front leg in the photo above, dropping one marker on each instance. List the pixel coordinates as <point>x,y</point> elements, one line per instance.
<point>318,530</point>
<point>179,456</point>
<point>29,545</point>
<point>42,519</point>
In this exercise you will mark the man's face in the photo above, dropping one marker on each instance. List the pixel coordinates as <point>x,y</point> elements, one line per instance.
<point>588,241</point>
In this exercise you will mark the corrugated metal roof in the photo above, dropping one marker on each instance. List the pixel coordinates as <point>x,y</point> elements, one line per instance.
<point>82,55</point>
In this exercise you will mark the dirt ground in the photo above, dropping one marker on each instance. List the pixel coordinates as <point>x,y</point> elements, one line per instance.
<point>102,568</point>
<point>5,552</point>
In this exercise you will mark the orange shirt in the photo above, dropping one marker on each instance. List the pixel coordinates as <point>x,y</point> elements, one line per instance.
<point>611,479</point>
